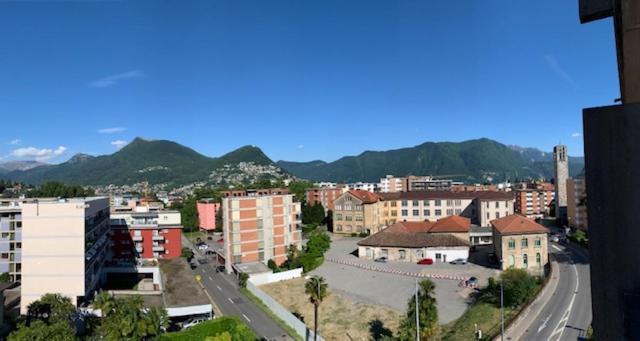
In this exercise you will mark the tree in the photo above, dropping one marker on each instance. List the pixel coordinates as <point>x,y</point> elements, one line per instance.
<point>51,308</point>
<point>40,331</point>
<point>189,215</point>
<point>428,314</point>
<point>59,189</point>
<point>130,320</point>
<point>5,278</point>
<point>272,265</point>
<point>298,188</point>
<point>186,253</point>
<point>242,279</point>
<point>49,318</point>
<point>518,286</point>
<point>316,288</point>
<point>105,302</point>
<point>219,220</point>
<point>328,220</point>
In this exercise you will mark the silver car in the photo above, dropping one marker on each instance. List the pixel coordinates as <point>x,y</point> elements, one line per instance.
<point>459,261</point>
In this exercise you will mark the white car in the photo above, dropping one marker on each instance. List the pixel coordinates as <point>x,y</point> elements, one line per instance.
<point>192,323</point>
<point>203,247</point>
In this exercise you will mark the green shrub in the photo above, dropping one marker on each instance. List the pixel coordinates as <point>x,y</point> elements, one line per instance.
<point>354,234</point>
<point>363,235</point>
<point>219,329</point>
<point>519,285</point>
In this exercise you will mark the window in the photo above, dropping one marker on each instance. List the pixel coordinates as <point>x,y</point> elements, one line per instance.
<point>497,204</point>
<point>425,202</point>
<point>488,216</point>
<point>338,216</point>
<point>404,203</point>
<point>538,259</point>
<point>348,218</point>
<point>538,242</point>
<point>458,211</point>
<point>338,227</point>
<point>427,213</point>
<point>497,215</point>
<point>416,213</point>
<point>358,218</point>
<point>394,213</point>
<point>137,233</point>
<point>449,211</point>
<point>458,202</point>
<point>338,207</point>
<point>449,202</point>
<point>524,243</point>
<point>415,203</point>
<point>438,202</point>
<point>512,261</point>
<point>369,252</point>
<point>402,254</point>
<point>405,213</point>
<point>438,213</point>
<point>394,204</point>
<point>512,243</point>
<point>525,260</point>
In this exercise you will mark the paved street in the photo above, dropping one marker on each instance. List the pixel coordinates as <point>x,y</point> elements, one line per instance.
<point>567,315</point>
<point>224,291</point>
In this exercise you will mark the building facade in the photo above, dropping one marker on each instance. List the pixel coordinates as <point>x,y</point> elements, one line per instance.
<point>259,228</point>
<point>561,163</point>
<point>577,204</point>
<point>323,195</point>
<point>521,243</point>
<point>207,211</point>
<point>391,184</point>
<point>145,234</point>
<point>11,237</point>
<point>357,211</point>
<point>533,203</point>
<point>65,244</point>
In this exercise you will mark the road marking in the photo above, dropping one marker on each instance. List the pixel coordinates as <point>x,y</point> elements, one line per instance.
<point>211,279</point>
<point>562,324</point>
<point>555,247</point>
<point>229,298</point>
<point>544,323</point>
<point>246,318</point>
<point>219,289</point>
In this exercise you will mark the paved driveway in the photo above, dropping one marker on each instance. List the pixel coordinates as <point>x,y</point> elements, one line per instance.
<point>394,290</point>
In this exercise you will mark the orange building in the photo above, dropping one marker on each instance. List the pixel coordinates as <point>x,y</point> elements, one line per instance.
<point>533,203</point>
<point>259,228</point>
<point>323,195</point>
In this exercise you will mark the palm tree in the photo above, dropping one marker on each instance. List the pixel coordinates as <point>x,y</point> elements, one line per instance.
<point>105,302</point>
<point>316,288</point>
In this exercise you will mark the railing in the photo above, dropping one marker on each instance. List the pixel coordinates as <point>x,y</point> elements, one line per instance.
<point>158,248</point>
<point>137,238</point>
<point>157,238</point>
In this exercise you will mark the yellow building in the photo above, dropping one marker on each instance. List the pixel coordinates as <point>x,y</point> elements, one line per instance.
<point>520,242</point>
<point>357,211</point>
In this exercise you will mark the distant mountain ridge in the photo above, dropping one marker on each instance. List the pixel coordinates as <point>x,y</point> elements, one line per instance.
<point>156,161</point>
<point>9,166</point>
<point>472,161</point>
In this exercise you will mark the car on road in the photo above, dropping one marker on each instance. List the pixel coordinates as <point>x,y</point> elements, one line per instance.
<point>458,261</point>
<point>202,247</point>
<point>382,259</point>
<point>209,238</point>
<point>221,240</point>
<point>425,261</point>
<point>554,238</point>
<point>203,261</point>
<point>472,281</point>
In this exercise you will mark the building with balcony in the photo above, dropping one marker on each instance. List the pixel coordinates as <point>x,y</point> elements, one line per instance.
<point>65,243</point>
<point>259,228</point>
<point>577,203</point>
<point>207,211</point>
<point>11,237</point>
<point>520,242</point>
<point>145,234</point>
<point>323,195</point>
<point>533,203</point>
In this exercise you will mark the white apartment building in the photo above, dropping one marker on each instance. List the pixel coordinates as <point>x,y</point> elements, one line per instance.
<point>65,243</point>
<point>391,184</point>
<point>363,186</point>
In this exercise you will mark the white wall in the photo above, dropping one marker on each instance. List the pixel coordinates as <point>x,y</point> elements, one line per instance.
<point>451,253</point>
<point>266,277</point>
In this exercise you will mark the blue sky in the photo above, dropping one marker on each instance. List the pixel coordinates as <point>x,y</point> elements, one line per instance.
<point>303,80</point>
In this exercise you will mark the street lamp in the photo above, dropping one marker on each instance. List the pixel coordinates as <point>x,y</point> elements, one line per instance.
<point>501,305</point>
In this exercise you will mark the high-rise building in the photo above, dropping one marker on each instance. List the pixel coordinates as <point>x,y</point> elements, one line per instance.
<point>323,195</point>
<point>391,184</point>
<point>11,237</point>
<point>577,203</point>
<point>561,163</point>
<point>65,244</point>
<point>207,211</point>
<point>533,203</point>
<point>258,228</point>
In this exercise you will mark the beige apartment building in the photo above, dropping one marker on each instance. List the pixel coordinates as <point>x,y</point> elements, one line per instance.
<point>521,243</point>
<point>260,227</point>
<point>577,203</point>
<point>357,211</point>
<point>65,242</point>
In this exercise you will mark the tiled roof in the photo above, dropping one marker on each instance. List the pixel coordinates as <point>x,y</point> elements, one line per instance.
<point>451,224</point>
<point>412,235</point>
<point>366,196</point>
<point>517,224</point>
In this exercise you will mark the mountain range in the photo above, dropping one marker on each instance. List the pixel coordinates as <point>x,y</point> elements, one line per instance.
<point>161,161</point>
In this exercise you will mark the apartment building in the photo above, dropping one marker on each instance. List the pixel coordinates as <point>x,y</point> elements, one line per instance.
<point>357,211</point>
<point>577,203</point>
<point>11,237</point>
<point>323,195</point>
<point>480,207</point>
<point>259,227</point>
<point>362,186</point>
<point>533,203</point>
<point>207,211</point>
<point>65,243</point>
<point>391,184</point>
<point>145,233</point>
<point>520,242</point>
<point>255,192</point>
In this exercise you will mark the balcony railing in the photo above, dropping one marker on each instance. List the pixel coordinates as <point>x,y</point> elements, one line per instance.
<point>158,248</point>
<point>139,249</point>
<point>137,238</point>
<point>157,237</point>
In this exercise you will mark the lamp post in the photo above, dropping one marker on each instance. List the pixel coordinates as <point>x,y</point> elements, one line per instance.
<point>501,306</point>
<point>417,314</point>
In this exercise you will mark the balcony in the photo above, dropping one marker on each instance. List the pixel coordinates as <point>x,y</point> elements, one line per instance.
<point>137,238</point>
<point>139,249</point>
<point>158,248</point>
<point>158,238</point>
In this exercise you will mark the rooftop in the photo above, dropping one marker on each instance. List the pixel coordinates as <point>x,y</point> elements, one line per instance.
<point>180,286</point>
<point>517,224</point>
<point>252,268</point>
<point>422,195</point>
<point>417,234</point>
<point>365,196</point>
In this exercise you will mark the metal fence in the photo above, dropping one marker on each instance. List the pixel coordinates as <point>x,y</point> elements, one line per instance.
<point>282,313</point>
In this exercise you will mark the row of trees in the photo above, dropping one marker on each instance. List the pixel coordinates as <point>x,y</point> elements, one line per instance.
<point>312,254</point>
<point>54,317</point>
<point>517,284</point>
<point>59,189</point>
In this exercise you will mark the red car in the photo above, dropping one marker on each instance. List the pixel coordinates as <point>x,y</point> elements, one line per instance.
<point>220,240</point>
<point>426,261</point>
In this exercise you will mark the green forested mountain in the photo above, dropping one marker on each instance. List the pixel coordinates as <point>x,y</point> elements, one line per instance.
<point>157,161</point>
<point>473,160</point>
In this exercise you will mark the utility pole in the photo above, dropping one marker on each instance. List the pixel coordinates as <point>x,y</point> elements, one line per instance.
<point>501,310</point>
<point>417,314</point>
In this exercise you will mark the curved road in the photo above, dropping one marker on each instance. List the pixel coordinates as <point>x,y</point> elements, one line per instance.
<point>567,315</point>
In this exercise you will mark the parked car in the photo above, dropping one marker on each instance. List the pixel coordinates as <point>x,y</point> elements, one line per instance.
<point>192,323</point>
<point>425,261</point>
<point>221,240</point>
<point>203,261</point>
<point>209,238</point>
<point>382,259</point>
<point>472,281</point>
<point>203,247</point>
<point>554,238</point>
<point>458,261</point>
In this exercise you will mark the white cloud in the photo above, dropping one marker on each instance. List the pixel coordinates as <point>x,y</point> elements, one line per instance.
<point>114,79</point>
<point>15,142</point>
<point>111,130</point>
<point>119,143</point>
<point>576,135</point>
<point>555,66</point>
<point>300,146</point>
<point>40,154</point>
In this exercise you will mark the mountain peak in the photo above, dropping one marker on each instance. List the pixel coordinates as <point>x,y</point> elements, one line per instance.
<point>80,157</point>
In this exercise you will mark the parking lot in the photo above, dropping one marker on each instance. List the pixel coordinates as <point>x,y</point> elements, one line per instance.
<point>395,290</point>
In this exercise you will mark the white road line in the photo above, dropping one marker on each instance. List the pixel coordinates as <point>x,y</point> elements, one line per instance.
<point>229,298</point>
<point>565,316</point>
<point>544,323</point>
<point>211,279</point>
<point>555,247</point>
<point>219,289</point>
<point>246,318</point>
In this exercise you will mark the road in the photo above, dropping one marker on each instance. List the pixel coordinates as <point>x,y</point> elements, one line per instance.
<point>223,289</point>
<point>567,315</point>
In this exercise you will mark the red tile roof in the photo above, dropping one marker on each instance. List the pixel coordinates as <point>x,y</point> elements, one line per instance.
<point>365,196</point>
<point>419,234</point>
<point>451,224</point>
<point>517,224</point>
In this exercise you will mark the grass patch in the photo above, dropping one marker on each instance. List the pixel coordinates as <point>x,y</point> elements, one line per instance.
<point>233,326</point>
<point>485,315</point>
<point>271,314</point>
<point>194,235</point>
